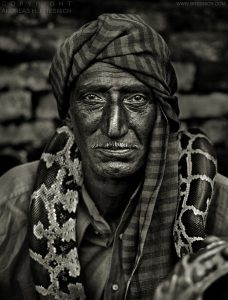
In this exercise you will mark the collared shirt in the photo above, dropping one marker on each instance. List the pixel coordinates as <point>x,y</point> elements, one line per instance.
<point>99,245</point>
<point>15,191</point>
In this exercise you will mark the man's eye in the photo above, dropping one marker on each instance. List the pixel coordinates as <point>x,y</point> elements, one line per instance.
<point>92,97</point>
<point>136,100</point>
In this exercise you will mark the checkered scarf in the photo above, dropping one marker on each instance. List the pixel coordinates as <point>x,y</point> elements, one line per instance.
<point>124,41</point>
<point>148,250</point>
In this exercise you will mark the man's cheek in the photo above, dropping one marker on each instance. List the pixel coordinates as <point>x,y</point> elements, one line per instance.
<point>142,129</point>
<point>85,141</point>
<point>88,122</point>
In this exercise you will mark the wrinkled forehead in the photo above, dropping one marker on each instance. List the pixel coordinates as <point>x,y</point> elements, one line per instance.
<point>108,76</point>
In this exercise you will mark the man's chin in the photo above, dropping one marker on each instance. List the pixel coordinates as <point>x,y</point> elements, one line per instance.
<point>116,170</point>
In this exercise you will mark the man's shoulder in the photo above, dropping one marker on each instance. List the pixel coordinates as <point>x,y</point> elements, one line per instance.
<point>17,181</point>
<point>16,186</point>
<point>217,221</point>
<point>221,181</point>
<point>220,195</point>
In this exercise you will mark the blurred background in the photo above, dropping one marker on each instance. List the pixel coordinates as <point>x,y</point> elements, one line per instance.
<point>31,31</point>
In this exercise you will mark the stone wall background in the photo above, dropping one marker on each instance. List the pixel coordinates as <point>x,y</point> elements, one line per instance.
<point>30,32</point>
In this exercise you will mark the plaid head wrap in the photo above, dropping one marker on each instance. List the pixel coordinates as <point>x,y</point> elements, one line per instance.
<point>124,41</point>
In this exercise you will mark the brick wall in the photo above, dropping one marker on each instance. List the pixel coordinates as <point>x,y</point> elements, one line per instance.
<point>30,34</point>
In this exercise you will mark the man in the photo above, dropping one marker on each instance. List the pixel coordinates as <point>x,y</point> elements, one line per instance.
<point>97,214</point>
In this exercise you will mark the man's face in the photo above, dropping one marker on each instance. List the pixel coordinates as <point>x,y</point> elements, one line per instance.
<point>112,114</point>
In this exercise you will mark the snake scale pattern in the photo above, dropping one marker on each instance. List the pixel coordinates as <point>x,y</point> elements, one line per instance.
<point>53,246</point>
<point>197,170</point>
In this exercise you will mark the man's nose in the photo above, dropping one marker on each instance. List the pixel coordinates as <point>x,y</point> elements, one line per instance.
<point>114,123</point>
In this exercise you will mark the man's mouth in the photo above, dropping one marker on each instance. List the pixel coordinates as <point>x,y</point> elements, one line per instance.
<point>116,147</point>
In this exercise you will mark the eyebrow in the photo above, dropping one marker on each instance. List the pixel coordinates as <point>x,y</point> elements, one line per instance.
<point>134,88</point>
<point>91,87</point>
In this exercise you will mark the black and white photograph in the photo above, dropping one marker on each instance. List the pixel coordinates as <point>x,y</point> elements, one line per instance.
<point>113,150</point>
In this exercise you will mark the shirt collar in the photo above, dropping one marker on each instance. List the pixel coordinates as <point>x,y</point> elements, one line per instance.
<point>88,214</point>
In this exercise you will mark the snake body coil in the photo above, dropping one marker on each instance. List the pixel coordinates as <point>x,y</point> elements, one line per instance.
<point>197,170</point>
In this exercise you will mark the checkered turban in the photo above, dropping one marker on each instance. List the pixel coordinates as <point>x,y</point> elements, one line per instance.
<point>124,41</point>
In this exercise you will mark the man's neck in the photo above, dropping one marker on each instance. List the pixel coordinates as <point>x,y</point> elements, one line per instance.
<point>111,195</point>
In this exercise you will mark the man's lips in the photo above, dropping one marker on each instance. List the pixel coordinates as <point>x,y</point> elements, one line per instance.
<point>115,146</point>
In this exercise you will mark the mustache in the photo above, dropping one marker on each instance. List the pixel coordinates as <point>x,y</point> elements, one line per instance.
<point>115,145</point>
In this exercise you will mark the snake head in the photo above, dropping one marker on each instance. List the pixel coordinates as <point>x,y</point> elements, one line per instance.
<point>199,276</point>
